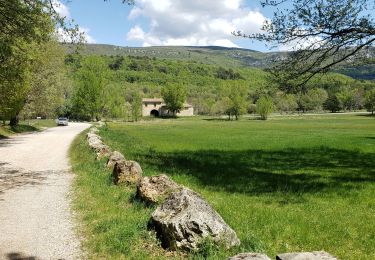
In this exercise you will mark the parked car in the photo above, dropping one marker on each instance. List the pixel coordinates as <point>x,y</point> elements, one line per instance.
<point>62,121</point>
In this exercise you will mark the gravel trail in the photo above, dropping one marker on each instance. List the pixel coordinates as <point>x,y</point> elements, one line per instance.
<point>36,221</point>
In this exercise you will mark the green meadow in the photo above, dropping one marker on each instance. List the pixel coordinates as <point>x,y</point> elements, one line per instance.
<point>293,183</point>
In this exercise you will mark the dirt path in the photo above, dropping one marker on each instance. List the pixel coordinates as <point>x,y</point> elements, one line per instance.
<point>35,216</point>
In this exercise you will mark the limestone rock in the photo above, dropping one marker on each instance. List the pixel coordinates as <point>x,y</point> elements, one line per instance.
<point>127,172</point>
<point>102,151</point>
<point>93,136</point>
<point>95,143</point>
<point>249,256</point>
<point>94,130</point>
<point>316,255</point>
<point>114,158</point>
<point>156,188</point>
<point>185,218</point>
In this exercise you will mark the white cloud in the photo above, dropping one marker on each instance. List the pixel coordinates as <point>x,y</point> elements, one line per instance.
<point>204,22</point>
<point>64,36</point>
<point>61,9</point>
<point>136,33</point>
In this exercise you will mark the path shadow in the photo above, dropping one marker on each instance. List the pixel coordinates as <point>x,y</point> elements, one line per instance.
<point>11,178</point>
<point>11,141</point>
<point>289,171</point>
<point>19,256</point>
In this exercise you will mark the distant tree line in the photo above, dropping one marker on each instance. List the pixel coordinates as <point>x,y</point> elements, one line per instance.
<point>113,86</point>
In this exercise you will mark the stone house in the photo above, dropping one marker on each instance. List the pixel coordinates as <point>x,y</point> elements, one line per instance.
<point>157,107</point>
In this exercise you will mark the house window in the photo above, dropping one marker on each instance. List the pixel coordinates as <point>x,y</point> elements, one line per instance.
<point>154,104</point>
<point>146,105</point>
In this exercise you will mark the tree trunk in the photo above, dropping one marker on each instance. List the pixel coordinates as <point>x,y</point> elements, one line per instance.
<point>14,121</point>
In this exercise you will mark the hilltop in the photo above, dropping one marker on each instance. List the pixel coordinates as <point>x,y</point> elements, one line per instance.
<point>220,56</point>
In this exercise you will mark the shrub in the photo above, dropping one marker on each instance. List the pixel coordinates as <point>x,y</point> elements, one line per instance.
<point>264,107</point>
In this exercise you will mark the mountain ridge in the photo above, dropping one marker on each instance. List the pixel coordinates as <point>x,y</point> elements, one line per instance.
<point>216,55</point>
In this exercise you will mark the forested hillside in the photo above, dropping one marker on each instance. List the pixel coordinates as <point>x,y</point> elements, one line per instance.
<point>120,81</point>
<point>222,56</point>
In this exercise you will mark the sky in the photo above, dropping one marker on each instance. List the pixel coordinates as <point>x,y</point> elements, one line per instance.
<point>167,22</point>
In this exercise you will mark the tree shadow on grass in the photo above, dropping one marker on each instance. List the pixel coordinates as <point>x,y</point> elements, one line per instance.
<point>23,128</point>
<point>289,171</point>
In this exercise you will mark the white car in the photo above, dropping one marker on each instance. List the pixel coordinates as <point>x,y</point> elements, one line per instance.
<point>62,121</point>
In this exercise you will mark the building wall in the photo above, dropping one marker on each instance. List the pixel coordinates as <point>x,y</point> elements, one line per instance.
<point>148,107</point>
<point>184,112</point>
<point>146,110</point>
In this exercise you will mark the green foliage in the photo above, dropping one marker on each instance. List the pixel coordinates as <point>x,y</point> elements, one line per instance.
<point>370,101</point>
<point>225,74</point>
<point>285,103</point>
<point>235,104</point>
<point>264,107</point>
<point>174,97</point>
<point>48,83</point>
<point>90,81</point>
<point>313,100</point>
<point>208,94</point>
<point>26,28</point>
<point>332,103</point>
<point>347,98</point>
<point>136,106</point>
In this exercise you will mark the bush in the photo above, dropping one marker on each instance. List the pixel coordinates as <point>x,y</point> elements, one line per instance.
<point>264,107</point>
<point>252,109</point>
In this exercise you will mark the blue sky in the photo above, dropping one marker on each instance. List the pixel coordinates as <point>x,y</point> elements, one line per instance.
<point>168,22</point>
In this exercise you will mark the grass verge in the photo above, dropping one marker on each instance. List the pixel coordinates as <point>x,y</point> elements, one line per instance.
<point>25,127</point>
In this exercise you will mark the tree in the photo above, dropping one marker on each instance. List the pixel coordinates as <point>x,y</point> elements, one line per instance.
<point>323,32</point>
<point>174,97</point>
<point>48,83</point>
<point>347,98</point>
<point>237,101</point>
<point>285,102</point>
<point>370,101</point>
<point>90,82</point>
<point>332,103</point>
<point>264,107</point>
<point>313,100</point>
<point>23,25</point>
<point>136,106</point>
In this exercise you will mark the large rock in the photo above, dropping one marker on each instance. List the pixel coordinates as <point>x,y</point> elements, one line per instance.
<point>95,143</point>
<point>316,255</point>
<point>156,189</point>
<point>114,158</point>
<point>127,172</point>
<point>94,130</point>
<point>93,136</point>
<point>185,218</point>
<point>102,151</point>
<point>249,256</point>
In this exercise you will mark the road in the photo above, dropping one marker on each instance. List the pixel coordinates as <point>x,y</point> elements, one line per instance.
<point>36,221</point>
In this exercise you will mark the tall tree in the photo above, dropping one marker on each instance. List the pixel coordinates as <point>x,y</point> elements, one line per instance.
<point>174,97</point>
<point>90,82</point>
<point>237,101</point>
<point>48,83</point>
<point>370,101</point>
<point>136,106</point>
<point>323,32</point>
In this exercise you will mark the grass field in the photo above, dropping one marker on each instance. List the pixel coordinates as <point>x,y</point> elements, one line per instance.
<point>286,184</point>
<point>25,126</point>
